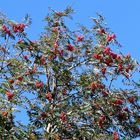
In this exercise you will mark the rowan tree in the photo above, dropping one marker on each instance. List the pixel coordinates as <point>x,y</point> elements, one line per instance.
<point>73,84</point>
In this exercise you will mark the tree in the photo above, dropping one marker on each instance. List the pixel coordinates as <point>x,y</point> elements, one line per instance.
<point>72,84</point>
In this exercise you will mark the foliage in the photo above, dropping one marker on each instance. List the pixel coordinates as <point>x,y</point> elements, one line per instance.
<point>72,84</point>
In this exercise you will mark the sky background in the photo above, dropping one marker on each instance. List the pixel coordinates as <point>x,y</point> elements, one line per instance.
<point>122,16</point>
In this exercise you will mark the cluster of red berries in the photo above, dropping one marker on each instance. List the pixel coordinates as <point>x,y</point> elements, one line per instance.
<point>109,37</point>
<point>107,51</point>
<point>70,47</point>
<point>108,57</point>
<point>20,79</point>
<point>16,28</point>
<point>19,27</point>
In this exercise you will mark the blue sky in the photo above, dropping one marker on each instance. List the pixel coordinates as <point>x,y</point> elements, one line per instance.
<point>122,16</point>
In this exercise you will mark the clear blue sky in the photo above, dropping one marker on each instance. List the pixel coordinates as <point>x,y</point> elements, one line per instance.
<point>122,16</point>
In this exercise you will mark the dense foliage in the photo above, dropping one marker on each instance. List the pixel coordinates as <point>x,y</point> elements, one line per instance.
<point>71,84</point>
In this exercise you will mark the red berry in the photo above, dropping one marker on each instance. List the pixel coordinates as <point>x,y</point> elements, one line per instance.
<point>43,115</point>
<point>94,85</point>
<point>10,95</point>
<point>25,57</point>
<point>79,38</point>
<point>102,31</point>
<point>56,45</point>
<point>55,30</point>
<point>119,58</point>
<point>130,67</point>
<point>20,78</point>
<point>39,84</point>
<point>56,52</point>
<point>5,114</point>
<point>97,56</point>
<point>11,81</point>
<point>70,47</point>
<point>111,37</point>
<point>115,135</point>
<point>64,92</point>
<point>125,109</point>
<point>101,121</point>
<point>107,50</point>
<point>113,55</point>
<point>105,93</point>
<point>19,27</point>
<point>120,67</point>
<point>49,96</point>
<point>131,99</point>
<point>6,29</point>
<point>103,70</point>
<point>61,52</point>
<point>43,60</point>
<point>63,116</point>
<point>108,62</point>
